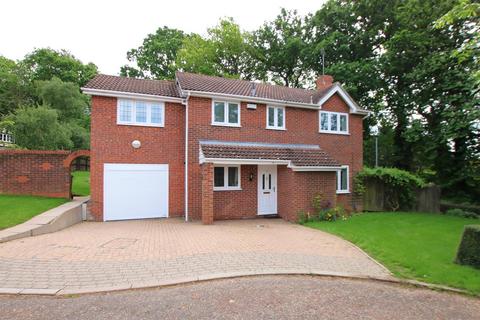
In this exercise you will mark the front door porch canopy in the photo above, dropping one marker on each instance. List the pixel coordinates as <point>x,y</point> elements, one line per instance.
<point>298,157</point>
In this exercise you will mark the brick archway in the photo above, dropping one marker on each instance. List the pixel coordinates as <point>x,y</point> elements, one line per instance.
<point>72,156</point>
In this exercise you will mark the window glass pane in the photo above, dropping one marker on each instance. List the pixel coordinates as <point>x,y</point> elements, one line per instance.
<point>141,112</point>
<point>269,181</point>
<point>218,177</point>
<point>156,114</point>
<point>233,113</point>
<point>343,181</point>
<point>263,181</point>
<point>232,176</point>
<point>126,111</point>
<point>324,121</point>
<point>280,117</point>
<point>333,122</point>
<point>271,117</point>
<point>343,123</point>
<point>219,110</point>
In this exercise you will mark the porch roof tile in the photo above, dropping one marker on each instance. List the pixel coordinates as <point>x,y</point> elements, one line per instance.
<point>304,156</point>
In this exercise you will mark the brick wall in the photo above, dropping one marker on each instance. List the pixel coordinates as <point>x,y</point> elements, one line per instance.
<point>306,186</point>
<point>111,143</point>
<point>238,204</point>
<point>32,172</point>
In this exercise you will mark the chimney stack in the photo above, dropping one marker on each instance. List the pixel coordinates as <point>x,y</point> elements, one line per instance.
<point>324,81</point>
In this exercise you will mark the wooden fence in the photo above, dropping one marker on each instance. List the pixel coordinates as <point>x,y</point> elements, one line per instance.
<point>427,199</point>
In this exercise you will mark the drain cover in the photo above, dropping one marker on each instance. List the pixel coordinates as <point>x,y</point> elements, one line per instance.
<point>119,243</point>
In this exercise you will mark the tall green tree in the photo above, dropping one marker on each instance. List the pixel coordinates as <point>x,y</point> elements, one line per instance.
<point>46,63</point>
<point>156,57</point>
<point>39,128</point>
<point>279,48</point>
<point>15,87</point>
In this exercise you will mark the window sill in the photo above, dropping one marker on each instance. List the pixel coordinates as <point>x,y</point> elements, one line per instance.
<point>227,189</point>
<point>226,125</point>
<point>337,133</point>
<point>343,192</point>
<point>278,129</point>
<point>140,124</point>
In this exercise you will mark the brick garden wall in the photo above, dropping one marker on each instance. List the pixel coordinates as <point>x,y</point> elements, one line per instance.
<point>34,172</point>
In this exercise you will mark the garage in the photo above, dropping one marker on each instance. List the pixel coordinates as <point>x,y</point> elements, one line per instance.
<point>135,191</point>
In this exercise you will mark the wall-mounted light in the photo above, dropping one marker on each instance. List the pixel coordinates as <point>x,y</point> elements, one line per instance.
<point>136,144</point>
<point>250,177</point>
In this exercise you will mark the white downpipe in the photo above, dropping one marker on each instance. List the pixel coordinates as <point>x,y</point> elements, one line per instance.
<point>186,158</point>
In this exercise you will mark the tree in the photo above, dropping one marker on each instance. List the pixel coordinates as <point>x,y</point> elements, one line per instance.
<point>156,57</point>
<point>46,63</point>
<point>39,128</point>
<point>15,89</point>
<point>279,48</point>
<point>197,55</point>
<point>65,97</point>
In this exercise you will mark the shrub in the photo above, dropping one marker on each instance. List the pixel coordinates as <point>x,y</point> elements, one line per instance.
<point>461,213</point>
<point>323,211</point>
<point>469,250</point>
<point>400,185</point>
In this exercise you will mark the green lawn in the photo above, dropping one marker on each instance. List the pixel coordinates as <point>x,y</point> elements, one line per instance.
<point>18,209</point>
<point>412,245</point>
<point>81,183</point>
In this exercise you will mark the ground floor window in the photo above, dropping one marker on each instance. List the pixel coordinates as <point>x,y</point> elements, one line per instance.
<point>226,178</point>
<point>342,180</point>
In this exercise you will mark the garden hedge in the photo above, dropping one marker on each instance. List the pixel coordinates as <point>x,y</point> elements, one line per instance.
<point>469,250</point>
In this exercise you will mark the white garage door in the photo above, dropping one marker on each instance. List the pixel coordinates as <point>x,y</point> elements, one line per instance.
<point>135,191</point>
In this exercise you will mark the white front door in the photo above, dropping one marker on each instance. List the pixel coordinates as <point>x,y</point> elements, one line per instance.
<point>267,190</point>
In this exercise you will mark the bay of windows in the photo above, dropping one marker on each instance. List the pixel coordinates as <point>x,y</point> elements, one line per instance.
<point>276,118</point>
<point>226,178</point>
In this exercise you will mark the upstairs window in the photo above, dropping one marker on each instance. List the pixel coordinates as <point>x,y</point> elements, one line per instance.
<point>342,180</point>
<point>276,118</point>
<point>226,178</point>
<point>140,113</point>
<point>226,113</point>
<point>333,122</point>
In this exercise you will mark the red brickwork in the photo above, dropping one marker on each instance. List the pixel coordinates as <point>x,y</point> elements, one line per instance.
<point>296,191</point>
<point>110,143</point>
<point>36,172</point>
<point>207,193</point>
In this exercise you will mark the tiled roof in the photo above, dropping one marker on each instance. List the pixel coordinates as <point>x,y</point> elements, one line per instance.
<point>132,85</point>
<point>198,82</point>
<point>299,156</point>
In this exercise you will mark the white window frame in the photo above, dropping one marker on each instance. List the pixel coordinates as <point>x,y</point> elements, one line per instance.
<point>329,113</point>
<point>339,180</point>
<point>275,118</point>
<point>225,122</point>
<point>133,115</point>
<point>225,178</point>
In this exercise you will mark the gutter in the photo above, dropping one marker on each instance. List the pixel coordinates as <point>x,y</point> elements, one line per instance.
<point>128,95</point>
<point>251,99</point>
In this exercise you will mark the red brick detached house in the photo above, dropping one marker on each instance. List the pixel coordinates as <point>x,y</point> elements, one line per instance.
<point>212,148</point>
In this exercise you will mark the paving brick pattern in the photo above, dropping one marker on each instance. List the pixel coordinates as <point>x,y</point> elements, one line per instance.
<point>93,256</point>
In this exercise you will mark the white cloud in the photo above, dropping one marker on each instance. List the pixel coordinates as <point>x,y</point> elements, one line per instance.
<point>103,31</point>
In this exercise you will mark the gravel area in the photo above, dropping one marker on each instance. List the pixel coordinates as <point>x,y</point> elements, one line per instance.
<point>268,297</point>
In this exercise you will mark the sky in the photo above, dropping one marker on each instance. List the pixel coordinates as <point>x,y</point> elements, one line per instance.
<point>103,31</point>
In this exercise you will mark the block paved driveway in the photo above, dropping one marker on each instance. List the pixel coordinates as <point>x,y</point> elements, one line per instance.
<point>94,256</point>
